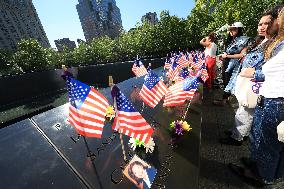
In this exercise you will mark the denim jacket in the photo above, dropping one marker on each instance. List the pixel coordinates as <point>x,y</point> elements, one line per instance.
<point>234,48</point>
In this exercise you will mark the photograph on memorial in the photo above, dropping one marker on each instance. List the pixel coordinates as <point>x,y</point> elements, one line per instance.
<point>140,173</point>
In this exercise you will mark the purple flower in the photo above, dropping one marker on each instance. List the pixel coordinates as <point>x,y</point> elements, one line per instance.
<point>178,128</point>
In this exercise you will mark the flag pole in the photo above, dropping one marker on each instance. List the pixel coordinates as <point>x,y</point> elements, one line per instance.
<point>122,147</point>
<point>183,117</point>
<point>111,84</point>
<point>136,65</point>
<point>143,104</point>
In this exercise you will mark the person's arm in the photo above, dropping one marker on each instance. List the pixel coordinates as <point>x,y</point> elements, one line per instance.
<point>257,74</point>
<point>235,56</point>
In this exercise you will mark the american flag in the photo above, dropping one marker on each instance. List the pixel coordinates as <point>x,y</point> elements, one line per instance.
<point>183,74</point>
<point>181,91</point>
<point>138,68</point>
<point>197,63</point>
<point>190,58</point>
<point>173,71</point>
<point>204,74</point>
<point>87,108</point>
<point>182,61</point>
<point>195,73</point>
<point>168,64</point>
<point>201,55</point>
<point>128,121</point>
<point>153,89</point>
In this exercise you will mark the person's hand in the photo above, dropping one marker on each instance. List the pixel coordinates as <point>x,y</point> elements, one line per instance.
<point>247,72</point>
<point>219,57</point>
<point>224,55</point>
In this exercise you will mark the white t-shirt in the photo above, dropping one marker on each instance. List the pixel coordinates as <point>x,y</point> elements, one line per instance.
<point>211,51</point>
<point>273,69</point>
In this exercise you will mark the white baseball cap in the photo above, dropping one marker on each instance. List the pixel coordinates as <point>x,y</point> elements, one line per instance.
<point>237,25</point>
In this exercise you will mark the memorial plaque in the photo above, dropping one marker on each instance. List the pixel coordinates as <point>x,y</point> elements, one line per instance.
<point>100,161</point>
<point>28,161</point>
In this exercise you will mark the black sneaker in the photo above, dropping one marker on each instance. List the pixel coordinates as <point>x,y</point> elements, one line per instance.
<point>247,175</point>
<point>230,141</point>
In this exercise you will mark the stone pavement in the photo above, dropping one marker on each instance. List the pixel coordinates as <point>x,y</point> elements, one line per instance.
<point>214,156</point>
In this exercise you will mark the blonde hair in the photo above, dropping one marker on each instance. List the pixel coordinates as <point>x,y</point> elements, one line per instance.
<point>279,37</point>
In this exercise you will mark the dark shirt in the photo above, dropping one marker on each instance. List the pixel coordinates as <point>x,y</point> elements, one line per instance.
<point>66,74</point>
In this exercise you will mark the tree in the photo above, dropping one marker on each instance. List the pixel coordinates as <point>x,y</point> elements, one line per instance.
<point>31,56</point>
<point>6,64</point>
<point>145,40</point>
<point>209,15</point>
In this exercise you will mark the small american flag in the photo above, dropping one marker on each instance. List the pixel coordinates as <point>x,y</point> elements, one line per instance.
<point>167,64</point>
<point>181,91</point>
<point>173,71</point>
<point>194,73</point>
<point>153,89</point>
<point>201,55</point>
<point>128,121</point>
<point>139,69</point>
<point>198,63</point>
<point>183,74</point>
<point>182,61</point>
<point>204,74</point>
<point>87,108</point>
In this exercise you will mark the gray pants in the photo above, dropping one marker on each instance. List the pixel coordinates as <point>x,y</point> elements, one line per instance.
<point>243,123</point>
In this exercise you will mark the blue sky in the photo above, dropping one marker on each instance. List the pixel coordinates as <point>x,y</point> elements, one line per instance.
<point>60,19</point>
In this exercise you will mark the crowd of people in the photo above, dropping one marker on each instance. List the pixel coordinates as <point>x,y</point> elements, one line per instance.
<point>259,64</point>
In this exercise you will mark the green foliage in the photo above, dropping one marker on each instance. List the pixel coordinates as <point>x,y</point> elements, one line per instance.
<point>6,63</point>
<point>171,33</point>
<point>217,13</point>
<point>31,56</point>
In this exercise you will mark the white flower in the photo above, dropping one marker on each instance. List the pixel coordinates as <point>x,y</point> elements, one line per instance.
<point>132,143</point>
<point>150,145</point>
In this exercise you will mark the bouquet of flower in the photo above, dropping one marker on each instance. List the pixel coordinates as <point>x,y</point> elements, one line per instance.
<point>179,127</point>
<point>110,113</point>
<point>149,147</point>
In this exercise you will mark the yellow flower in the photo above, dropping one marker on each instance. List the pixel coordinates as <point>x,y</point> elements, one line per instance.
<point>110,112</point>
<point>186,126</point>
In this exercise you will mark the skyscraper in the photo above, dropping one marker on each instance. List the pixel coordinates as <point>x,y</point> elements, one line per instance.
<point>19,20</point>
<point>99,18</point>
<point>150,18</point>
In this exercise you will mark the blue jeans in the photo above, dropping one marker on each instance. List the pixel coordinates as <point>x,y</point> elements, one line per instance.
<point>266,151</point>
